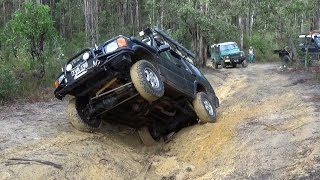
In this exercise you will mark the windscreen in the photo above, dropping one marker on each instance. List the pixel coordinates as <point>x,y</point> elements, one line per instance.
<point>317,41</point>
<point>227,47</point>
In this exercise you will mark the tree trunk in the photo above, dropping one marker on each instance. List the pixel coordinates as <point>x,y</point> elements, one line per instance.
<point>302,25</point>
<point>241,32</point>
<point>251,24</point>
<point>96,21</point>
<point>161,14</point>
<point>91,20</point>
<point>137,15</point>
<point>153,12</point>
<point>131,18</point>
<point>316,18</point>
<point>200,47</point>
<point>4,12</point>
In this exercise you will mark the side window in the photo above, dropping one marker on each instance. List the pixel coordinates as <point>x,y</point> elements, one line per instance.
<point>217,49</point>
<point>170,56</point>
<point>166,55</point>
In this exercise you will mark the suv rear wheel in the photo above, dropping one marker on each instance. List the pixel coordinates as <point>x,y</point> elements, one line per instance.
<point>204,109</point>
<point>77,118</point>
<point>146,137</point>
<point>146,80</point>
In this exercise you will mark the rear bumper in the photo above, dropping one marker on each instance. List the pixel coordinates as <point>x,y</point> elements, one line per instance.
<point>234,61</point>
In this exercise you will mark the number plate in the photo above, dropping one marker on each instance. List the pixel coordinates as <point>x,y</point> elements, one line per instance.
<point>227,60</point>
<point>79,70</point>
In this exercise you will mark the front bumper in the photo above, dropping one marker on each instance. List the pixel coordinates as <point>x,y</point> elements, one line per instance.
<point>234,60</point>
<point>95,75</point>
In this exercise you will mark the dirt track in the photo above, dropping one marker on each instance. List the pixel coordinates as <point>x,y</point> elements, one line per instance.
<point>268,128</point>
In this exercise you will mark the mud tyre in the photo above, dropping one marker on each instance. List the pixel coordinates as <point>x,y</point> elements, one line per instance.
<point>77,119</point>
<point>234,65</point>
<point>146,80</point>
<point>244,64</point>
<point>216,65</point>
<point>146,137</point>
<point>205,110</point>
<point>223,64</point>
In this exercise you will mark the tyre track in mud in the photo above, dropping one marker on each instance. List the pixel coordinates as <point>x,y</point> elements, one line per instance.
<point>267,127</point>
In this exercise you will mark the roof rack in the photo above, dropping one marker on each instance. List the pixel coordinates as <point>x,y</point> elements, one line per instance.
<point>309,36</point>
<point>178,46</point>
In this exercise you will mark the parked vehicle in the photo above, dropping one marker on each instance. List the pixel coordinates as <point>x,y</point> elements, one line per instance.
<point>227,54</point>
<point>309,44</point>
<point>308,50</point>
<point>148,84</point>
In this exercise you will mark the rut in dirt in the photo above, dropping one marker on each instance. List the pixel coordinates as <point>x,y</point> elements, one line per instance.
<point>267,127</point>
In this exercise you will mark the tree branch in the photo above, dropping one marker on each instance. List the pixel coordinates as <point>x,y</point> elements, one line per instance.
<point>27,161</point>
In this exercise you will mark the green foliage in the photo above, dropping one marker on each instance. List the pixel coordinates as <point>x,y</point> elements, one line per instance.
<point>263,47</point>
<point>9,84</point>
<point>28,51</point>
<point>34,50</point>
<point>31,32</point>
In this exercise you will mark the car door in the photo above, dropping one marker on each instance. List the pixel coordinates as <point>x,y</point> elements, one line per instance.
<point>171,69</point>
<point>189,76</point>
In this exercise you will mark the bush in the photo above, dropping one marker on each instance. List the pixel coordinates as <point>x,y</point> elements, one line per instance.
<point>30,55</point>
<point>263,46</point>
<point>10,86</point>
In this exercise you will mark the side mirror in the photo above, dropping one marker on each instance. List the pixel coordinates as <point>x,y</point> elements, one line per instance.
<point>163,48</point>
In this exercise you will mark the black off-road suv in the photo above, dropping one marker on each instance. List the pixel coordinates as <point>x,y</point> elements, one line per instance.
<point>148,84</point>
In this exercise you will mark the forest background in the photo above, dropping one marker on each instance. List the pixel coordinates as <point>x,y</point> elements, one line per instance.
<point>38,36</point>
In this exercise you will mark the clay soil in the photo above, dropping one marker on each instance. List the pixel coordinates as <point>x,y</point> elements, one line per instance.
<point>268,127</point>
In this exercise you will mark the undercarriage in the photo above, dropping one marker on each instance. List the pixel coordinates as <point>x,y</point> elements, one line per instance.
<point>123,105</point>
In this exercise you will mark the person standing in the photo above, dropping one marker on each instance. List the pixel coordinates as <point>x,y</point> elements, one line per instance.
<point>251,55</point>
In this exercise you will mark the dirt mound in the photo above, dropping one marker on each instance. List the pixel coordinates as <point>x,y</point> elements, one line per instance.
<point>267,128</point>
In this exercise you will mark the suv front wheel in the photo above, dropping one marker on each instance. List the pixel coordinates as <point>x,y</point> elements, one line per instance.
<point>204,109</point>
<point>146,80</point>
<point>244,63</point>
<point>76,115</point>
<point>216,65</point>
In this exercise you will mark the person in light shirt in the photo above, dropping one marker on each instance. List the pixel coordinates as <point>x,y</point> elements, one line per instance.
<point>251,55</point>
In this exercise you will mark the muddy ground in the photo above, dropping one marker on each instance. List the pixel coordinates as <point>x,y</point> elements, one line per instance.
<point>268,128</point>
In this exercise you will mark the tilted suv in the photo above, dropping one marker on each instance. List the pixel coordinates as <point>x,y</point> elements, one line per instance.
<point>147,84</point>
<point>227,53</point>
